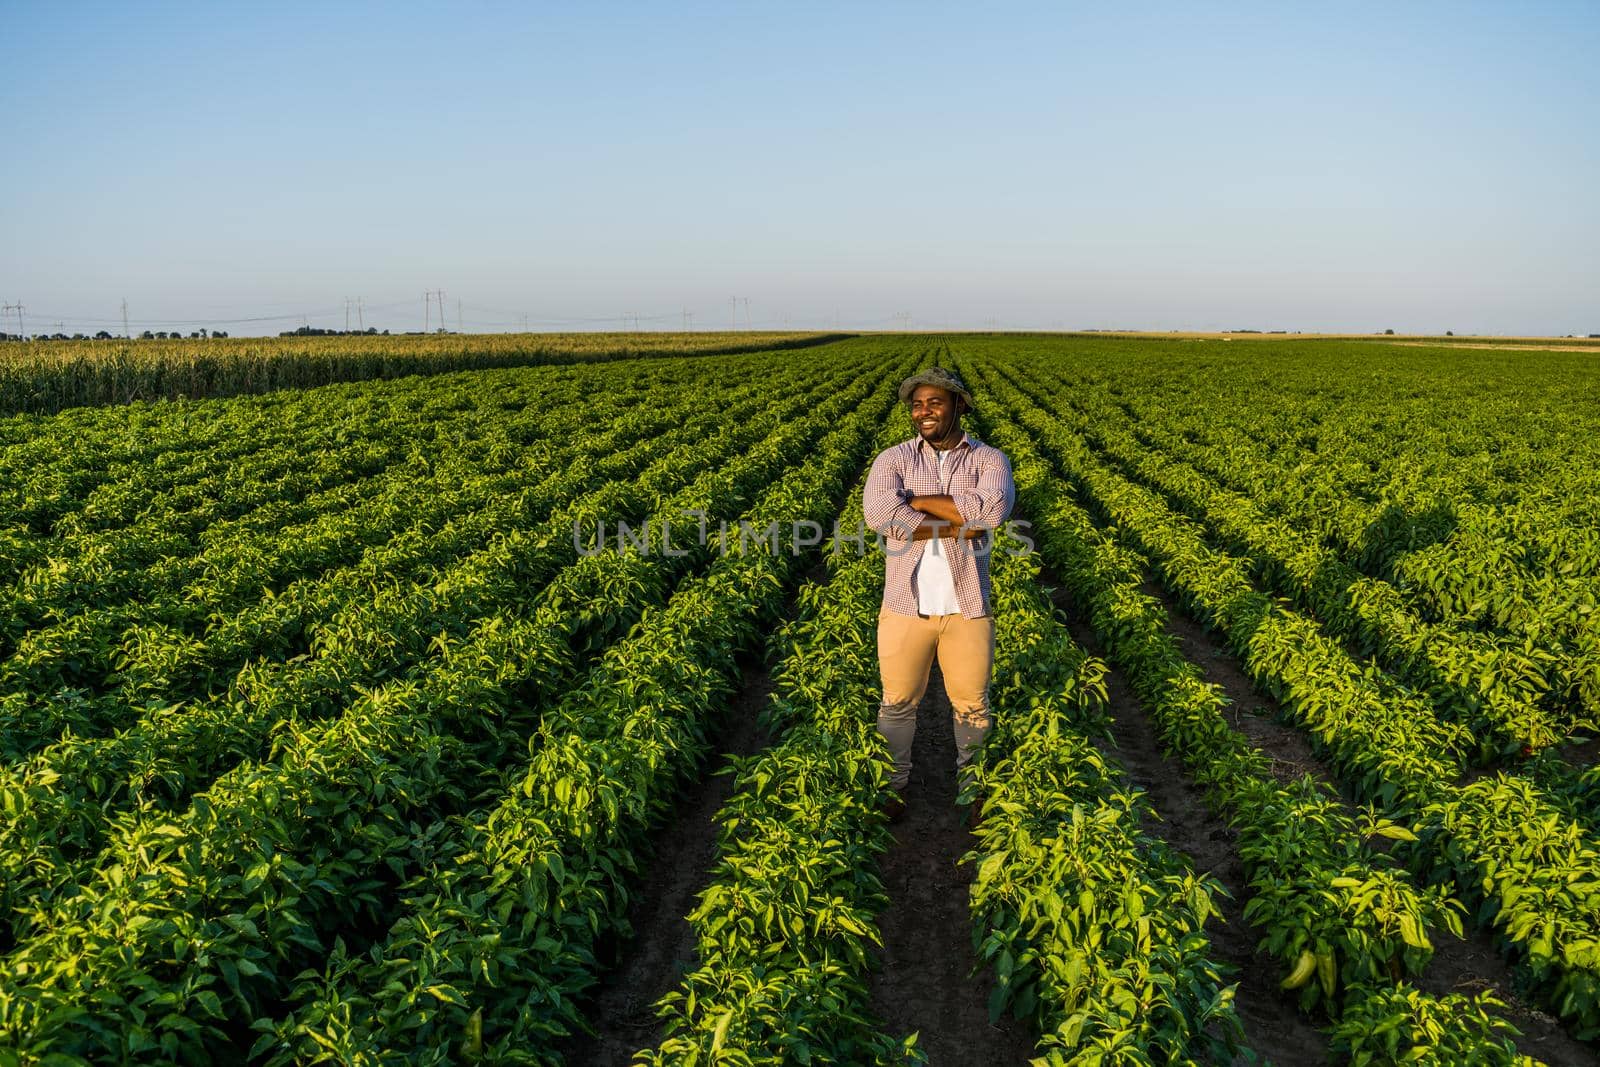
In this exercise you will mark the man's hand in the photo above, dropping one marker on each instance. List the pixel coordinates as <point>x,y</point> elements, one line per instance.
<point>941,507</point>
<point>929,531</point>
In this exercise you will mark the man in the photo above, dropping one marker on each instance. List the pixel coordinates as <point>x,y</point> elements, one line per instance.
<point>934,498</point>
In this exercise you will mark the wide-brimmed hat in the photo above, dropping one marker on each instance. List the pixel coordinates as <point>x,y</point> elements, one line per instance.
<point>944,379</point>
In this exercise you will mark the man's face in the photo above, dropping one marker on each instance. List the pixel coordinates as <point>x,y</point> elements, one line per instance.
<point>935,414</point>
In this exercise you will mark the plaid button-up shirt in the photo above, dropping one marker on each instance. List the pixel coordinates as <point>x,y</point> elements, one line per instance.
<point>980,484</point>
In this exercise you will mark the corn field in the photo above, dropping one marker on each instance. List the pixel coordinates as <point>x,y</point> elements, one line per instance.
<point>48,376</point>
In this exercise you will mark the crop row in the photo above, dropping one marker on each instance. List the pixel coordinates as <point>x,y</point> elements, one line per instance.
<point>1494,685</point>
<point>62,819</point>
<point>495,947</point>
<point>275,860</point>
<point>1491,685</point>
<point>61,800</point>
<point>785,929</point>
<point>94,471</point>
<point>274,486</point>
<point>1343,917</point>
<point>1540,890</point>
<point>1500,680</point>
<point>1491,527</point>
<point>1497,686</point>
<point>1094,928</point>
<point>159,659</point>
<point>786,925</point>
<point>145,511</point>
<point>174,473</point>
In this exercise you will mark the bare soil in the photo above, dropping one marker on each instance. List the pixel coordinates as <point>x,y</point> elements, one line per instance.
<point>662,949</point>
<point>1470,965</point>
<point>924,982</point>
<point>1580,755</point>
<point>1253,714</point>
<point>1274,1028</point>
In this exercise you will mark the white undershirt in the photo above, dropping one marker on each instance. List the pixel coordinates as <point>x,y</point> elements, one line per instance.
<point>936,586</point>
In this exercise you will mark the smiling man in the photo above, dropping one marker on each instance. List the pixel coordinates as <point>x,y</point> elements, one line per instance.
<point>934,498</point>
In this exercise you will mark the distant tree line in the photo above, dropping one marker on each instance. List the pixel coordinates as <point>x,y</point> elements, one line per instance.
<point>103,335</point>
<point>310,331</point>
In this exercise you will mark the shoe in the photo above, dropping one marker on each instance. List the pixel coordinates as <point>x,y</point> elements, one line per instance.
<point>894,805</point>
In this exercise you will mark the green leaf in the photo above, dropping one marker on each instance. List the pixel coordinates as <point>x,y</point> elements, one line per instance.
<point>720,1034</point>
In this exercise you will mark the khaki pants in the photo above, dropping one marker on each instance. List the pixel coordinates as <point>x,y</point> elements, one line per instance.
<point>907,645</point>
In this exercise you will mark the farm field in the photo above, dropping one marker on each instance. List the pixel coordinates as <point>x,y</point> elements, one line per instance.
<point>45,376</point>
<point>332,730</point>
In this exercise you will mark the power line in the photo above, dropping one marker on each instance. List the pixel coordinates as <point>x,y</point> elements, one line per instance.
<point>484,317</point>
<point>296,317</point>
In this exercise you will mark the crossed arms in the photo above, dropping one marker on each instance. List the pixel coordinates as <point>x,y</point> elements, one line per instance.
<point>947,518</point>
<point>893,511</point>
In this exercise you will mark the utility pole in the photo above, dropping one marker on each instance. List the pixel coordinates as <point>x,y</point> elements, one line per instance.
<point>18,308</point>
<point>458,316</point>
<point>347,314</point>
<point>427,295</point>
<point>747,312</point>
<point>361,318</point>
<point>125,318</point>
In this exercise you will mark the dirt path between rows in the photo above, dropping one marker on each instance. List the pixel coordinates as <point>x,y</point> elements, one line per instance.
<point>1273,1026</point>
<point>1468,966</point>
<point>662,949</point>
<point>924,982</point>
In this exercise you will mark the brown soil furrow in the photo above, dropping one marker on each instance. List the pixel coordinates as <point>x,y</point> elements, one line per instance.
<point>925,982</point>
<point>1469,965</point>
<point>1274,1027</point>
<point>1253,714</point>
<point>651,963</point>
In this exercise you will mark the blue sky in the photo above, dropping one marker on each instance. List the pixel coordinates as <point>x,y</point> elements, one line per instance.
<point>1356,167</point>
